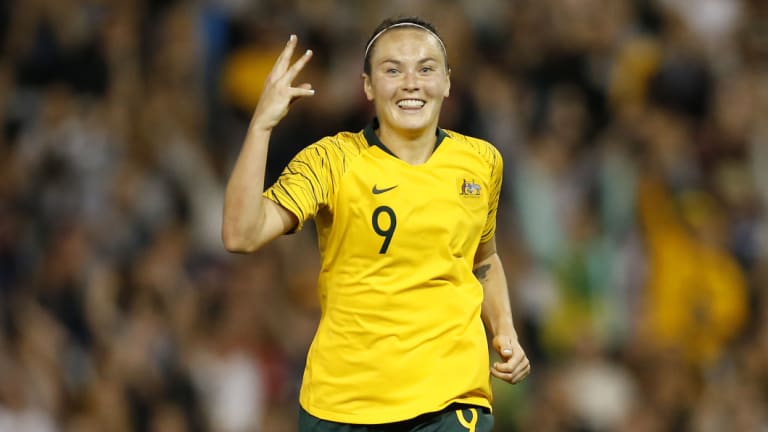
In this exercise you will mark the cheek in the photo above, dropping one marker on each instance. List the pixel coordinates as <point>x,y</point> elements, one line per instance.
<point>378,88</point>
<point>383,90</point>
<point>439,89</point>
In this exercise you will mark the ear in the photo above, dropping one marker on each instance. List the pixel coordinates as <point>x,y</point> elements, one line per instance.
<point>367,87</point>
<point>448,84</point>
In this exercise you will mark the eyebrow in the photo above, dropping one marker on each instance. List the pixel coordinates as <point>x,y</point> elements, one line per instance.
<point>398,62</point>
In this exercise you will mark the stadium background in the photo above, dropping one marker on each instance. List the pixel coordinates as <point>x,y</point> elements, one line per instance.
<point>632,227</point>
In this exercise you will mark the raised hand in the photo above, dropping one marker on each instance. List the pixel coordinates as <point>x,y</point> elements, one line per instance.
<point>278,91</point>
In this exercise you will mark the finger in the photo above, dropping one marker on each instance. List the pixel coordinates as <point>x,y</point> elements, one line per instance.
<point>507,349</point>
<point>512,356</point>
<point>505,346</point>
<point>519,376</point>
<point>513,377</point>
<point>512,365</point>
<point>284,59</point>
<point>505,367</point>
<point>298,66</point>
<point>501,375</point>
<point>303,90</point>
<point>521,367</point>
<point>300,92</point>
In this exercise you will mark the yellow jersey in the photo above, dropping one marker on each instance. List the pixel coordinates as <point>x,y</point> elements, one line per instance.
<point>400,332</point>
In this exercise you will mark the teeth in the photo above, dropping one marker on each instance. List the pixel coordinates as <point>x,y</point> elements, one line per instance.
<point>410,103</point>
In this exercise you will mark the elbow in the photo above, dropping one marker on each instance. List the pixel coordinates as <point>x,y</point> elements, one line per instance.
<point>236,242</point>
<point>232,243</point>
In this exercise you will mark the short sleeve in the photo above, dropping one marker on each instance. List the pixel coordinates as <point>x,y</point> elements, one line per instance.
<point>306,184</point>
<point>496,168</point>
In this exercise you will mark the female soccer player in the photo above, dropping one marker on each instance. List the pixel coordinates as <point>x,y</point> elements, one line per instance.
<point>406,216</point>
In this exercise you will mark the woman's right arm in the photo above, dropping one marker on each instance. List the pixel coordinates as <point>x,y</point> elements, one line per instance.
<point>250,220</point>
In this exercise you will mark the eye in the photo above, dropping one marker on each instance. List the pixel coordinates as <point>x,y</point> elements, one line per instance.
<point>392,71</point>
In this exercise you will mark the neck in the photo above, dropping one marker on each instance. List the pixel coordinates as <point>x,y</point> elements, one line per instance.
<point>414,148</point>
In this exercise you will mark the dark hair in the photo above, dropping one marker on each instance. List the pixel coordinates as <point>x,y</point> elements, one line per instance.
<point>397,22</point>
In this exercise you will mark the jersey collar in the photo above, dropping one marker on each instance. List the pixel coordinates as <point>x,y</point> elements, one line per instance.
<point>373,140</point>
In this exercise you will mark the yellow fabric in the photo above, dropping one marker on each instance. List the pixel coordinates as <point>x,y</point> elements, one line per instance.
<point>697,293</point>
<point>636,63</point>
<point>243,75</point>
<point>400,332</point>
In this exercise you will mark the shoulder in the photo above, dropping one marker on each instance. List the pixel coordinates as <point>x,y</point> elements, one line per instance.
<point>487,151</point>
<point>341,143</point>
<point>335,149</point>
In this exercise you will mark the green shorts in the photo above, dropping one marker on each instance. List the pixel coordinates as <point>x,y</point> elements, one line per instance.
<point>454,418</point>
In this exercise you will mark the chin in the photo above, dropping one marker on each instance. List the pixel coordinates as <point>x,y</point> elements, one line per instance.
<point>415,124</point>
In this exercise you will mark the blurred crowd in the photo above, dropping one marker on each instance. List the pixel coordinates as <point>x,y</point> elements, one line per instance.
<point>633,221</point>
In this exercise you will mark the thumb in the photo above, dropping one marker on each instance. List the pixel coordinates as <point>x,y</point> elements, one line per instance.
<point>505,346</point>
<point>301,91</point>
<point>305,86</point>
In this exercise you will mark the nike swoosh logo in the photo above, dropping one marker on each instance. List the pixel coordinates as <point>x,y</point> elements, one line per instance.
<point>377,191</point>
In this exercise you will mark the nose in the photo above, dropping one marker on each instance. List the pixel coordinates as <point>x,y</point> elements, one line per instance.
<point>410,81</point>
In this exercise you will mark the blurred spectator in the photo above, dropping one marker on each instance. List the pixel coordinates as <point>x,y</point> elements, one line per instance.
<point>696,299</point>
<point>635,137</point>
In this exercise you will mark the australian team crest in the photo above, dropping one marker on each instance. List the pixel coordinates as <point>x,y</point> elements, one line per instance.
<point>468,188</point>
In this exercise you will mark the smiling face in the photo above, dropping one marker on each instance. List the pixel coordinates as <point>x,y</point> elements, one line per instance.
<point>408,80</point>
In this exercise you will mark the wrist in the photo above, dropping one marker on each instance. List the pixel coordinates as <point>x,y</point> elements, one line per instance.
<point>261,122</point>
<point>257,127</point>
<point>505,328</point>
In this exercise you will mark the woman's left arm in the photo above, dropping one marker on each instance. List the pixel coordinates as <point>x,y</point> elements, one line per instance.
<point>497,315</point>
